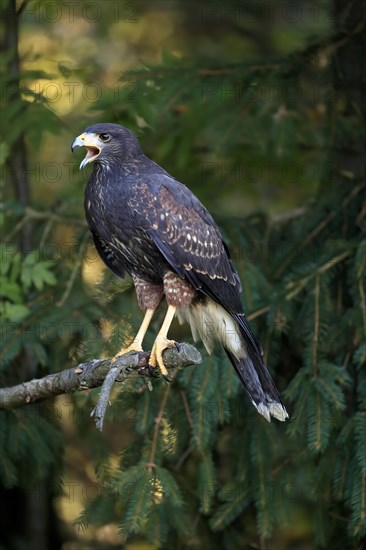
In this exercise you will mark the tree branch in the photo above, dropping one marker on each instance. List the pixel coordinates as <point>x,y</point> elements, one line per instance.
<point>92,374</point>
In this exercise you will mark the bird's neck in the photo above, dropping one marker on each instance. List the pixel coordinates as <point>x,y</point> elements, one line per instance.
<point>119,169</point>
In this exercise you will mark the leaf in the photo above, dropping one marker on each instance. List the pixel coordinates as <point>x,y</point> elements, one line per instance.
<point>4,153</point>
<point>10,290</point>
<point>64,70</point>
<point>37,273</point>
<point>229,511</point>
<point>42,275</point>
<point>207,483</point>
<point>15,312</point>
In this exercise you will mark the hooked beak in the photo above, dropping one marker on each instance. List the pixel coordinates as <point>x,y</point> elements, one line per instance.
<point>92,144</point>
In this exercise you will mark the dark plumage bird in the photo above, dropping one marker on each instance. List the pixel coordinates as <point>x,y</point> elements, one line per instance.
<point>146,223</point>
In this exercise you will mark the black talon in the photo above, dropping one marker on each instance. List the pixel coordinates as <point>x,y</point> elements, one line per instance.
<point>153,371</point>
<point>167,379</point>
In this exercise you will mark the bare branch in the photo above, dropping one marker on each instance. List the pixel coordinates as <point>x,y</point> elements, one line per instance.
<point>92,375</point>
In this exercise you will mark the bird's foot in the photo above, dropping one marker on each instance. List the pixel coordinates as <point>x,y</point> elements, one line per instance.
<point>156,358</point>
<point>135,346</point>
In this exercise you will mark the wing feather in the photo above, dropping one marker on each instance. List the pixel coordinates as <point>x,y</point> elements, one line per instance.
<point>188,238</point>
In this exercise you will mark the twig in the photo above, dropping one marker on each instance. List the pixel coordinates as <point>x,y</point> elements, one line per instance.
<point>158,421</point>
<point>316,325</point>
<point>100,408</point>
<point>319,228</point>
<point>278,219</point>
<point>116,371</point>
<point>75,271</point>
<point>257,313</point>
<point>183,457</point>
<point>92,375</point>
<point>22,7</point>
<point>296,286</point>
<point>190,420</point>
<point>33,214</point>
<point>15,229</point>
<point>50,216</point>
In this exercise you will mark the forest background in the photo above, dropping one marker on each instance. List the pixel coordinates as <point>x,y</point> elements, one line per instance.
<point>259,107</point>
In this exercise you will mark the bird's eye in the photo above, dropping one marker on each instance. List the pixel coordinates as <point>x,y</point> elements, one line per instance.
<point>104,137</point>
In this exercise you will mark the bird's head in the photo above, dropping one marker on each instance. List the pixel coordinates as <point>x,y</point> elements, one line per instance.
<point>107,144</point>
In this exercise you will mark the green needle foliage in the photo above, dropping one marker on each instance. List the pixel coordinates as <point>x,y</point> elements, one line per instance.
<point>192,463</point>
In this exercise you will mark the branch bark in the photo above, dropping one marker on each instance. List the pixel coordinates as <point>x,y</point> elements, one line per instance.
<point>92,374</point>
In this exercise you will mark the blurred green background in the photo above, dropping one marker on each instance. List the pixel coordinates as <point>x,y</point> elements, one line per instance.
<point>259,108</point>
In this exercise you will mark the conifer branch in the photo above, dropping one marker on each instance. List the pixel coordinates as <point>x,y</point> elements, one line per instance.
<point>319,228</point>
<point>92,375</point>
<point>316,325</point>
<point>158,421</point>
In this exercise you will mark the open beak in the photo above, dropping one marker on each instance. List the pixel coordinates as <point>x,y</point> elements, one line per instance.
<point>92,144</point>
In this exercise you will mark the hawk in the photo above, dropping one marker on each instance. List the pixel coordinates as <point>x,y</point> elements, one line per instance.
<point>149,225</point>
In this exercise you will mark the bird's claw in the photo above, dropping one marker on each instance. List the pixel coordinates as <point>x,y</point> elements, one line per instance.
<point>153,371</point>
<point>132,347</point>
<point>156,358</point>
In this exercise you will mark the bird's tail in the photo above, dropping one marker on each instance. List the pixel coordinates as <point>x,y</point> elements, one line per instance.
<point>254,374</point>
<point>260,387</point>
<point>211,322</point>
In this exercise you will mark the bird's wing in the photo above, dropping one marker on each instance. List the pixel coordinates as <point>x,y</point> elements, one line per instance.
<point>184,232</point>
<point>190,241</point>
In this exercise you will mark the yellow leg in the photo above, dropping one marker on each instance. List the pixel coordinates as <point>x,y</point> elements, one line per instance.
<point>136,345</point>
<point>162,342</point>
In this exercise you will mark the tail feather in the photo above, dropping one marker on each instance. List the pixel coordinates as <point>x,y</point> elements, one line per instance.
<point>210,321</point>
<point>255,377</point>
<point>260,387</point>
